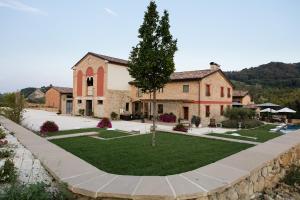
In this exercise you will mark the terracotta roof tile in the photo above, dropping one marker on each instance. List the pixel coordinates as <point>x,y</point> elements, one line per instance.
<point>239,93</point>
<point>63,90</point>
<point>197,74</point>
<point>110,59</point>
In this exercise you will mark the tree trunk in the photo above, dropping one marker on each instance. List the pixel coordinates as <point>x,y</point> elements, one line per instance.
<point>154,118</point>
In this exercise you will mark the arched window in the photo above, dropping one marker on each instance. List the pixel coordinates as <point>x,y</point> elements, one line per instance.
<point>79,83</point>
<point>89,81</point>
<point>100,82</point>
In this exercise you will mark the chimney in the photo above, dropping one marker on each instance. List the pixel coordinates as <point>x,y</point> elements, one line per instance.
<point>214,66</point>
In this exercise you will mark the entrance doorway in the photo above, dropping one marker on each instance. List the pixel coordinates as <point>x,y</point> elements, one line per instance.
<point>186,113</point>
<point>69,107</point>
<point>89,107</point>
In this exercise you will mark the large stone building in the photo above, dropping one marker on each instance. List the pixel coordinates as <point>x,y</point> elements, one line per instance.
<point>102,85</point>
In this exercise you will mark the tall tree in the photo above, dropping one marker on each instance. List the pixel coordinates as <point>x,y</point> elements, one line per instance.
<point>151,61</point>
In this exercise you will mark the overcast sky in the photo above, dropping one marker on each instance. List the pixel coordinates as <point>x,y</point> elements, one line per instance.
<point>41,40</point>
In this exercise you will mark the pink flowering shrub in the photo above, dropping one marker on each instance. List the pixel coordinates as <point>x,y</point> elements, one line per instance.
<point>167,117</point>
<point>48,126</point>
<point>104,123</point>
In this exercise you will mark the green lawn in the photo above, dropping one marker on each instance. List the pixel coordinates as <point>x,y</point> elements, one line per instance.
<point>135,155</point>
<point>261,133</point>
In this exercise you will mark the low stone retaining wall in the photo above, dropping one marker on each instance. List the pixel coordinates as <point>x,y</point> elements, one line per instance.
<point>238,176</point>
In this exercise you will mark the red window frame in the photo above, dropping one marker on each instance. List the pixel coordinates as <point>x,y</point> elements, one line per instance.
<point>222,91</point>
<point>207,90</point>
<point>228,92</point>
<point>207,111</point>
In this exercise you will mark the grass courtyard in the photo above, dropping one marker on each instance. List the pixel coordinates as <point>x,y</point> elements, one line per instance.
<point>262,134</point>
<point>135,155</point>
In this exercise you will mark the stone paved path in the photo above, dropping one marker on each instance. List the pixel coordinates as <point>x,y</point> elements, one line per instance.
<point>71,135</point>
<point>86,179</point>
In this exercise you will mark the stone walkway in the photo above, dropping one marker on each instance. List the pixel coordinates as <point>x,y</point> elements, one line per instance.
<point>86,179</point>
<point>71,135</point>
<point>217,138</point>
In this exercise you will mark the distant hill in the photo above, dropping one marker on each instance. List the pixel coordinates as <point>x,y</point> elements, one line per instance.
<point>27,91</point>
<point>273,74</point>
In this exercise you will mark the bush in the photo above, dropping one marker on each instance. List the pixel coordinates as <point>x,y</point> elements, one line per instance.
<point>239,113</point>
<point>114,116</point>
<point>36,191</point>
<point>293,176</point>
<point>8,172</point>
<point>2,134</point>
<point>5,154</point>
<point>180,127</point>
<point>167,117</point>
<point>196,120</point>
<point>104,123</point>
<point>48,126</point>
<point>81,112</point>
<point>250,123</point>
<point>15,104</point>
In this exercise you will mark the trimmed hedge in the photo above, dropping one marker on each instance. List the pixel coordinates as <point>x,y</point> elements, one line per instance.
<point>180,127</point>
<point>167,117</point>
<point>249,123</point>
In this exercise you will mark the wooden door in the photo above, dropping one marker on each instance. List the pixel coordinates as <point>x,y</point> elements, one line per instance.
<point>186,113</point>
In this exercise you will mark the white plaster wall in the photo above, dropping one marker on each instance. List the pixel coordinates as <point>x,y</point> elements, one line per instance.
<point>118,77</point>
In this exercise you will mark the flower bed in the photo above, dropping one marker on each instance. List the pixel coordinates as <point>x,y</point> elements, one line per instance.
<point>167,117</point>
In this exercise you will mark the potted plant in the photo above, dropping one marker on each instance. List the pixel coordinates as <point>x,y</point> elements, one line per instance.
<point>197,121</point>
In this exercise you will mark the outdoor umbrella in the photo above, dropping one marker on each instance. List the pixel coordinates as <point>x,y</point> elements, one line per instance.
<point>268,110</point>
<point>285,110</point>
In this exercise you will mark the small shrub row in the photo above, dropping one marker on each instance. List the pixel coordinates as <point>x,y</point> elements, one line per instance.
<point>250,123</point>
<point>104,123</point>
<point>180,127</point>
<point>37,191</point>
<point>8,172</point>
<point>167,117</point>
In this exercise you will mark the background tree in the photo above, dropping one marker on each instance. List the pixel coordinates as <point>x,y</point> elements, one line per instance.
<point>151,61</point>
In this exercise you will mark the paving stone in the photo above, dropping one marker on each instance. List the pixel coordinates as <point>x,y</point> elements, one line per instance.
<point>289,141</point>
<point>209,184</point>
<point>185,189</point>
<point>121,187</point>
<point>81,178</point>
<point>91,187</point>
<point>225,173</point>
<point>247,160</point>
<point>154,186</point>
<point>271,148</point>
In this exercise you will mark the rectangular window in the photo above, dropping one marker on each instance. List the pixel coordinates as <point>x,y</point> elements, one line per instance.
<point>161,90</point>
<point>228,92</point>
<point>160,109</point>
<point>222,91</point>
<point>185,88</point>
<point>222,110</point>
<point>207,111</point>
<point>100,102</point>
<point>79,101</point>
<point>127,107</point>
<point>207,90</point>
<point>228,107</point>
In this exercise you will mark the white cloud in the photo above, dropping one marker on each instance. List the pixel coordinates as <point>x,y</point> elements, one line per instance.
<point>111,12</point>
<point>17,5</point>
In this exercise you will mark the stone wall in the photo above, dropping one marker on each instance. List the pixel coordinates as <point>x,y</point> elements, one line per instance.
<point>265,177</point>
